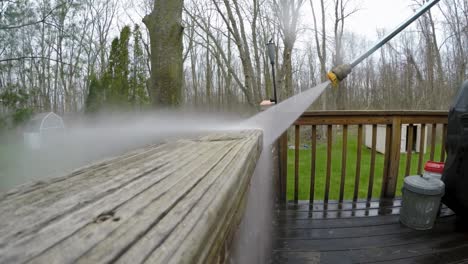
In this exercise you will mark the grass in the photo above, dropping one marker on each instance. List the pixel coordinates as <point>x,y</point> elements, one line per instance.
<point>9,155</point>
<point>321,163</point>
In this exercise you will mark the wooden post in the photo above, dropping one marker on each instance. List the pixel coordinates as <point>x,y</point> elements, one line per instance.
<point>283,169</point>
<point>329,159</point>
<point>442,148</point>
<point>297,140</point>
<point>433,141</point>
<point>421,148</point>
<point>372,163</point>
<point>358,164</point>
<point>409,150</point>
<point>343,161</point>
<point>388,145</point>
<point>313,164</point>
<point>277,169</point>
<point>390,181</point>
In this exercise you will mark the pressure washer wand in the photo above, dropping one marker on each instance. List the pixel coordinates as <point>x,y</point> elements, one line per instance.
<point>340,72</point>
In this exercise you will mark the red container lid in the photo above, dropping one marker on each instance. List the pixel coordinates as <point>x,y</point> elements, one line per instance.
<point>433,166</point>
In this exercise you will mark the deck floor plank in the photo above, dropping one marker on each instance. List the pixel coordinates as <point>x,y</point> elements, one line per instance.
<point>347,236</point>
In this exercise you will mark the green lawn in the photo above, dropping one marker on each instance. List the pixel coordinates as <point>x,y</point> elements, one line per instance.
<point>9,155</point>
<point>321,161</point>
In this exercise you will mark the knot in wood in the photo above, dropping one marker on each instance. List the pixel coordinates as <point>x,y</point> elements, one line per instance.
<point>106,216</point>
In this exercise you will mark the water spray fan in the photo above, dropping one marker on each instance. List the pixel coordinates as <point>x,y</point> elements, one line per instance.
<point>339,73</point>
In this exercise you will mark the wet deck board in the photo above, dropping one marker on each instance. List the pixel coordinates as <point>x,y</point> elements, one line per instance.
<point>318,236</point>
<point>170,203</point>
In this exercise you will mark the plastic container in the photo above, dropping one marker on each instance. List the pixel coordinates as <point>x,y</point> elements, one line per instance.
<point>421,200</point>
<point>433,169</point>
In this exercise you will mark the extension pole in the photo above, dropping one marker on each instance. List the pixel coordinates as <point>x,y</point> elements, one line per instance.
<point>406,23</point>
<point>275,97</point>
<point>340,72</point>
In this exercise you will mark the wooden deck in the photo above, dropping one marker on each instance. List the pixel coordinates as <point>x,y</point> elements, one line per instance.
<point>178,202</point>
<point>363,233</point>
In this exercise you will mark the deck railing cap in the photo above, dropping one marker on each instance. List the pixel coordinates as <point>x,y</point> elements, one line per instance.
<point>377,113</point>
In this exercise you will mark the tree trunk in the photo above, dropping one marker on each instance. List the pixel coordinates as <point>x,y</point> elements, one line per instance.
<point>166,34</point>
<point>208,75</point>
<point>288,11</point>
<point>321,44</point>
<point>287,71</point>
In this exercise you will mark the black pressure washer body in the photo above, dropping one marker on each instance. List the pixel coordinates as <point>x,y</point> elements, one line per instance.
<point>455,174</point>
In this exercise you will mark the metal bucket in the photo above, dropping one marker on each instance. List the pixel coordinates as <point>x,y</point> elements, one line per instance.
<point>421,201</point>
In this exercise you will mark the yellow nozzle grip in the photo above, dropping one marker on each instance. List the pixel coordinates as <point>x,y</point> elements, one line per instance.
<point>333,79</point>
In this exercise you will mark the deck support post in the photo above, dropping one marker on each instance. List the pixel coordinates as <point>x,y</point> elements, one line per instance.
<point>283,168</point>
<point>393,144</point>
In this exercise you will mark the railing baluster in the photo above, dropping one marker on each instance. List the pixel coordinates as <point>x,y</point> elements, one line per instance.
<point>421,147</point>
<point>329,159</point>
<point>343,161</point>
<point>433,141</point>
<point>409,149</point>
<point>442,148</point>
<point>312,164</point>
<point>372,163</point>
<point>358,164</point>
<point>284,166</point>
<point>296,163</point>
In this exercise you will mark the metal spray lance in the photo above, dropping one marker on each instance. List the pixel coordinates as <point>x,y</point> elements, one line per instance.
<point>339,73</point>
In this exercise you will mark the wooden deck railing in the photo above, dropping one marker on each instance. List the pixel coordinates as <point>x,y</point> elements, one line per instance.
<point>418,124</point>
<point>177,202</point>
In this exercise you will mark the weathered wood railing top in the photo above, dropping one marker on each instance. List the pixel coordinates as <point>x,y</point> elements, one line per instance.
<point>371,117</point>
<point>171,203</point>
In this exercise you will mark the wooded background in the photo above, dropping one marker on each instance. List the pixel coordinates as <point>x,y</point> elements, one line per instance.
<point>84,56</point>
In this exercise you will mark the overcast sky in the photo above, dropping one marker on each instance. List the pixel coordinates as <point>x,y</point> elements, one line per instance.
<point>379,14</point>
<point>372,15</point>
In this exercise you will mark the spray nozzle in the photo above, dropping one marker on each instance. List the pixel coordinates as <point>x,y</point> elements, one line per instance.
<point>339,73</point>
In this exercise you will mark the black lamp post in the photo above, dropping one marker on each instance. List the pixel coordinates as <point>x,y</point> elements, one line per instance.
<point>271,55</point>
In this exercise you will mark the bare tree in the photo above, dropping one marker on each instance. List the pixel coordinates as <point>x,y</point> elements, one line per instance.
<point>342,11</point>
<point>103,14</point>
<point>320,35</point>
<point>231,14</point>
<point>288,12</point>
